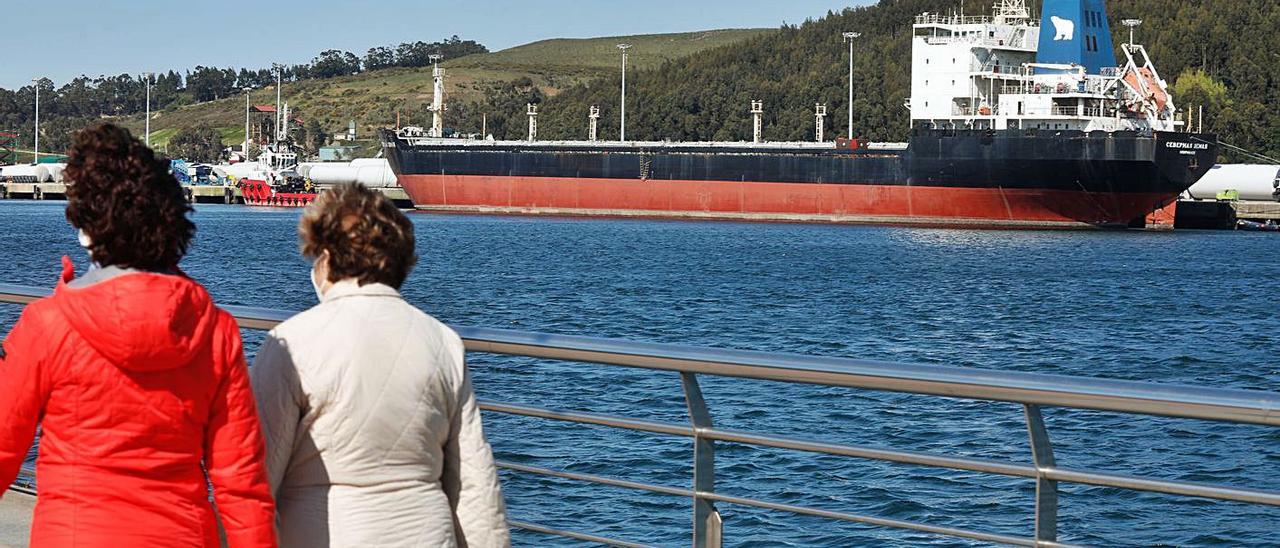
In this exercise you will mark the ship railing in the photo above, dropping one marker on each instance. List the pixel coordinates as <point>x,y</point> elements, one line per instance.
<point>952,19</point>
<point>982,40</point>
<point>945,19</point>
<point>1003,69</point>
<point>1031,392</point>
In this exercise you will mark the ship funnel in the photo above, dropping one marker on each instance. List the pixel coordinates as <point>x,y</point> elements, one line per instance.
<point>1076,32</point>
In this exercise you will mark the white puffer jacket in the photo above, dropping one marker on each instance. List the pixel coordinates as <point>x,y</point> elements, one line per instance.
<point>372,429</point>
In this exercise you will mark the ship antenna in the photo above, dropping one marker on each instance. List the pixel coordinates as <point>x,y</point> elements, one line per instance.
<point>1132,24</point>
<point>1011,11</point>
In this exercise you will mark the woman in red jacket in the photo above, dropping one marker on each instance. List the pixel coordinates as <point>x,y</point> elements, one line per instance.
<point>137,379</point>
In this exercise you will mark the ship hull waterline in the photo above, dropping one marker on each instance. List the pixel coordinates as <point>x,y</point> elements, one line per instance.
<point>782,202</point>
<point>1033,179</point>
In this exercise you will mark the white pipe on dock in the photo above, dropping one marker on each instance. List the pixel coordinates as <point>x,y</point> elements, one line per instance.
<point>1254,182</point>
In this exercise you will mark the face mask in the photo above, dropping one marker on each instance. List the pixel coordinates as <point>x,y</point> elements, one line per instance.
<point>316,282</point>
<point>86,242</point>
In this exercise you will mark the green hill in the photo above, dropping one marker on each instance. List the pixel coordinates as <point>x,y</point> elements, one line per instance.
<point>648,51</point>
<point>373,98</point>
<point>707,96</point>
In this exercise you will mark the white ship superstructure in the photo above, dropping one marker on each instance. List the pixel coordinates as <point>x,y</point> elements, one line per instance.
<point>983,73</point>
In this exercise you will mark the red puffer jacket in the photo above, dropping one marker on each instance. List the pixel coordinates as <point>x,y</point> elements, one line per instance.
<point>137,380</point>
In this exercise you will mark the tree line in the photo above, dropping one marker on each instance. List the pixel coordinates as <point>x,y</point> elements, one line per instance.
<point>83,99</point>
<point>1219,54</point>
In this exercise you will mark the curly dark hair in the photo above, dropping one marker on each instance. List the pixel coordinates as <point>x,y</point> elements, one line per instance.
<point>367,237</point>
<point>126,200</point>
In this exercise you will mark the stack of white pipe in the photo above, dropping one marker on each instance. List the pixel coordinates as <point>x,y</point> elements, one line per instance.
<point>370,172</point>
<point>1254,182</point>
<point>239,171</point>
<point>57,172</point>
<point>27,173</point>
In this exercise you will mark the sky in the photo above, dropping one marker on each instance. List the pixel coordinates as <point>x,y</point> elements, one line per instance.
<point>67,38</point>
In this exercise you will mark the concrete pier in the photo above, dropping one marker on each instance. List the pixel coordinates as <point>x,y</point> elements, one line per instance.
<point>33,191</point>
<point>196,194</point>
<point>1215,215</point>
<point>213,194</point>
<point>15,518</point>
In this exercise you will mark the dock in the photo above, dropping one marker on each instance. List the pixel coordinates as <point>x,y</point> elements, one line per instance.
<point>16,509</point>
<point>1222,215</point>
<point>33,191</point>
<point>196,194</point>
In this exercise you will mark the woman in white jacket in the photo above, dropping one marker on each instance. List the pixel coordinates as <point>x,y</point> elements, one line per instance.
<point>372,429</point>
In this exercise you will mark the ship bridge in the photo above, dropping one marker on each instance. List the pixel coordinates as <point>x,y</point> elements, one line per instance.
<point>1009,71</point>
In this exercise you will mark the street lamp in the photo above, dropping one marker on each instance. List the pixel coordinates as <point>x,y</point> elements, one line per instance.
<point>1132,24</point>
<point>623,123</point>
<point>279,82</point>
<point>850,37</point>
<point>246,123</point>
<point>147,131</point>
<point>35,155</point>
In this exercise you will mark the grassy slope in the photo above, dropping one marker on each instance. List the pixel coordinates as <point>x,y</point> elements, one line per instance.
<point>373,98</point>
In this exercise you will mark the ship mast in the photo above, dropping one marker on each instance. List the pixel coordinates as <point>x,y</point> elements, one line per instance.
<point>1011,12</point>
<point>437,101</point>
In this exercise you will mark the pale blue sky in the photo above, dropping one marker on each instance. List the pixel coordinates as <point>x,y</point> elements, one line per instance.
<point>61,39</point>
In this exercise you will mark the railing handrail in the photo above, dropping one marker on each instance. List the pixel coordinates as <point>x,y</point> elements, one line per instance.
<point>1125,396</point>
<point>1032,390</point>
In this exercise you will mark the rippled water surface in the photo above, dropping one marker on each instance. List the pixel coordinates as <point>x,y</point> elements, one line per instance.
<point>1188,307</point>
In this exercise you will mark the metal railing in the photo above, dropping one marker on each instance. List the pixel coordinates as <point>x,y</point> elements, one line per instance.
<point>1032,390</point>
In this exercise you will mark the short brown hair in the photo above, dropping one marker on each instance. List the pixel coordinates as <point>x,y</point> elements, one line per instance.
<point>367,237</point>
<point>126,200</point>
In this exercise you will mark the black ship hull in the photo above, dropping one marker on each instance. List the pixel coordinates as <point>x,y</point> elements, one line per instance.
<point>971,178</point>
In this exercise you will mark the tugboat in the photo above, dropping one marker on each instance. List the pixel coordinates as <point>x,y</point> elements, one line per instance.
<point>277,184</point>
<point>1014,124</point>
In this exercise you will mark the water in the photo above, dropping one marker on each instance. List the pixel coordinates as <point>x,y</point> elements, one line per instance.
<point>1189,307</point>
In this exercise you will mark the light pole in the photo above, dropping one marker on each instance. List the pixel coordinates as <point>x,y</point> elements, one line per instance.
<point>623,122</point>
<point>850,37</point>
<point>35,155</point>
<point>279,82</point>
<point>1132,24</point>
<point>147,131</point>
<point>246,123</point>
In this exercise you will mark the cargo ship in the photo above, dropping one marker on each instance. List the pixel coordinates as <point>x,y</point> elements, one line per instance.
<point>1014,124</point>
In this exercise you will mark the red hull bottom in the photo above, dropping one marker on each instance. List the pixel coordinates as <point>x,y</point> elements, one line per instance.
<point>281,200</point>
<point>785,202</point>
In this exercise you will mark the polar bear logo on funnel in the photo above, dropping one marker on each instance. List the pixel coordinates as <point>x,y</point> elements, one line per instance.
<point>1066,29</point>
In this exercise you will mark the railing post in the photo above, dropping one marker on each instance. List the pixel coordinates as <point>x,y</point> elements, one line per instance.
<point>1046,489</point>
<point>707,527</point>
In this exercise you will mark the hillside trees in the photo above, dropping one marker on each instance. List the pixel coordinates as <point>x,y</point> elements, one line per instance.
<point>379,58</point>
<point>418,54</point>
<point>198,144</point>
<point>502,111</point>
<point>331,63</point>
